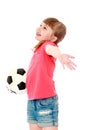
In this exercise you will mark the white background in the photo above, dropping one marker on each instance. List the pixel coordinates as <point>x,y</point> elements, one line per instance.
<point>18,22</point>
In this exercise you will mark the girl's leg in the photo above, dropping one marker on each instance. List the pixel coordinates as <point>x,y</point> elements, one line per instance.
<point>35,127</point>
<point>51,128</point>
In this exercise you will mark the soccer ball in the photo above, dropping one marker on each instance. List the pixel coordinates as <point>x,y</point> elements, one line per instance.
<point>16,81</point>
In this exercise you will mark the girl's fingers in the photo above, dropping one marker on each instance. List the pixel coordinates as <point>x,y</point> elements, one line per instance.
<point>68,56</point>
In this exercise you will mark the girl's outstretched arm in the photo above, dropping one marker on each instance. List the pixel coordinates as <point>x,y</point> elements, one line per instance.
<point>65,59</point>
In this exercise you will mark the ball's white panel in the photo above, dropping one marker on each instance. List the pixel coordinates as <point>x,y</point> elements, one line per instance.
<point>18,84</point>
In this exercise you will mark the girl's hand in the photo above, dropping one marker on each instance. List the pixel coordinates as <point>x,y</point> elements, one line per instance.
<point>65,59</point>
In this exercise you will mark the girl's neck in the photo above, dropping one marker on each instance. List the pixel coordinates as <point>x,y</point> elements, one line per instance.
<point>38,45</point>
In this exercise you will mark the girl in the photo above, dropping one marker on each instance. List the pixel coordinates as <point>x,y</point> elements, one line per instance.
<point>42,106</point>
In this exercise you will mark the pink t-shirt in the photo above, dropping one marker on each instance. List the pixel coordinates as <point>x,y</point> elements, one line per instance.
<point>39,80</point>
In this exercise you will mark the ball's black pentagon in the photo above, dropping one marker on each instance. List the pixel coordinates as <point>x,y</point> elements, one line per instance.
<point>9,79</point>
<point>21,86</point>
<point>21,71</point>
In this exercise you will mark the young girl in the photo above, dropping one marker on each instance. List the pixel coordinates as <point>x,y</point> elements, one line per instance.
<point>42,107</point>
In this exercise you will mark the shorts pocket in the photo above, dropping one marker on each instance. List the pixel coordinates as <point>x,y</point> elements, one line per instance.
<point>48,101</point>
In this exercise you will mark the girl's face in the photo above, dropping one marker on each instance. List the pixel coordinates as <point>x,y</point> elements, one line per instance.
<point>44,32</point>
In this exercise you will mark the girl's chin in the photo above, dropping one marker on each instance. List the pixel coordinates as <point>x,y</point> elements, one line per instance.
<point>37,38</point>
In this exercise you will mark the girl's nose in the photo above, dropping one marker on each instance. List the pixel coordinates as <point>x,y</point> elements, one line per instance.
<point>39,29</point>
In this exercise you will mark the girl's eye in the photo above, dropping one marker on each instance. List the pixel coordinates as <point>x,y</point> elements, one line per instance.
<point>45,28</point>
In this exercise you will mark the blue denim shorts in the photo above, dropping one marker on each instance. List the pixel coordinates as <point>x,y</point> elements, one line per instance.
<point>43,112</point>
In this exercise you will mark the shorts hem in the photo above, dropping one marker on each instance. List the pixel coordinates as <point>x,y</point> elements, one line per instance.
<point>43,124</point>
<point>32,122</point>
<point>47,125</point>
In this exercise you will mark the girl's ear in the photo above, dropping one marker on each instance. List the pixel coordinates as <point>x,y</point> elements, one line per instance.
<point>54,38</point>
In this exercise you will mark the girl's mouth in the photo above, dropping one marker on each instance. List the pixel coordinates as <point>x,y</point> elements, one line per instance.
<point>38,34</point>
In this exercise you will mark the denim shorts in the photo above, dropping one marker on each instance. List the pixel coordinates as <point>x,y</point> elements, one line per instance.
<point>43,112</point>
